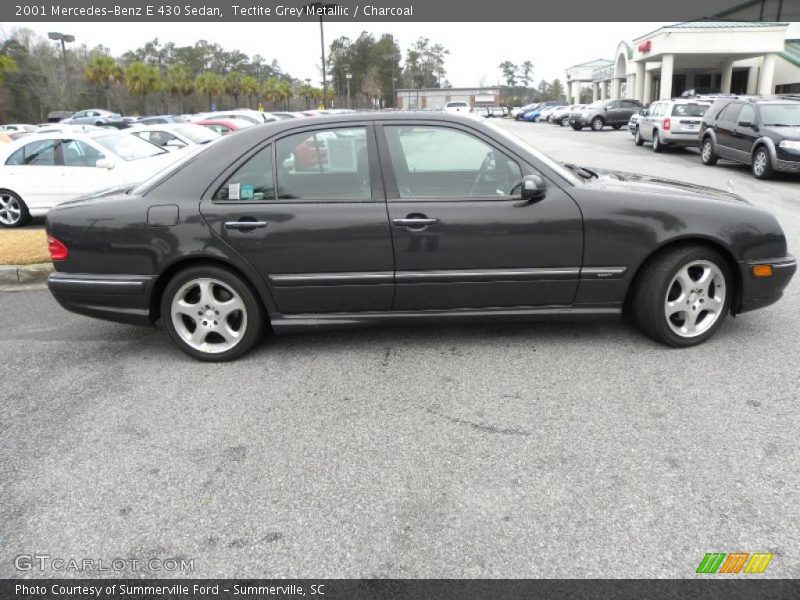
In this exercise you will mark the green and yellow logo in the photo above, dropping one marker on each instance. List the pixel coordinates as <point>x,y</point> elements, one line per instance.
<point>734,562</point>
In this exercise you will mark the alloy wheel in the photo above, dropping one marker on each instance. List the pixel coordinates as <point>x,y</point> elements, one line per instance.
<point>706,151</point>
<point>695,298</point>
<point>10,210</point>
<point>759,163</point>
<point>209,315</point>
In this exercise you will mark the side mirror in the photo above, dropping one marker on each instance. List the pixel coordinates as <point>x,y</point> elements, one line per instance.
<point>105,163</point>
<point>533,188</point>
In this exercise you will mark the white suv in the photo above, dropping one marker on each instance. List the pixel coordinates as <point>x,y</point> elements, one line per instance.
<point>670,123</point>
<point>456,107</point>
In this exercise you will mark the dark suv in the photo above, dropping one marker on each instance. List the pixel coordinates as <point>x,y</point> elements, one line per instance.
<point>597,115</point>
<point>761,132</point>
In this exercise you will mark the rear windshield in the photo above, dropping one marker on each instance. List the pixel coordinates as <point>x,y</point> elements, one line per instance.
<point>780,115</point>
<point>689,110</point>
<point>128,147</point>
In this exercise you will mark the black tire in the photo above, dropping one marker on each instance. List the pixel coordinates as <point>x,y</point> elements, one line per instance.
<point>565,121</point>
<point>652,286</point>
<point>10,205</point>
<point>637,138</point>
<point>658,147</point>
<point>761,164</point>
<point>598,123</point>
<point>616,126</point>
<point>707,152</point>
<point>254,311</point>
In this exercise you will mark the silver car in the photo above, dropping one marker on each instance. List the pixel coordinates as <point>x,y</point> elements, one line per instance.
<point>670,123</point>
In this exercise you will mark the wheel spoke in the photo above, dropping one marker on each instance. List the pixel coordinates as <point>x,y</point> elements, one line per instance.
<point>230,307</point>
<point>206,291</point>
<point>676,306</point>
<point>198,336</point>
<point>230,336</point>
<point>713,304</point>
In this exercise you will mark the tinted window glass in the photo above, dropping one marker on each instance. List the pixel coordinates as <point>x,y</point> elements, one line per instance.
<point>747,114</point>
<point>251,181</point>
<point>729,112</point>
<point>441,162</point>
<point>613,105</point>
<point>330,164</point>
<point>40,152</point>
<point>80,154</point>
<point>689,110</point>
<point>159,138</point>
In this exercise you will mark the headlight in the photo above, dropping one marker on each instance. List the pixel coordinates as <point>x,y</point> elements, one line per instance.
<point>790,144</point>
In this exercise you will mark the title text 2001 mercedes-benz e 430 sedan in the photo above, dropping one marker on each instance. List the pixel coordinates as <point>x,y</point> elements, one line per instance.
<point>403,218</point>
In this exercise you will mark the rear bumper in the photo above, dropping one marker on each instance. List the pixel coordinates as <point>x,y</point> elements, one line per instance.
<point>758,292</point>
<point>123,298</point>
<point>688,138</point>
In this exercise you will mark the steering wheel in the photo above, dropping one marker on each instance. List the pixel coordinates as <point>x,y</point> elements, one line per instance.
<point>487,161</point>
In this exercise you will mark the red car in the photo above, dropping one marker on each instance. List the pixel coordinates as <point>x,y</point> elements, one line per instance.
<point>224,126</point>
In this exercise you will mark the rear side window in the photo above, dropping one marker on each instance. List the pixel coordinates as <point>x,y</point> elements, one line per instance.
<point>39,153</point>
<point>80,154</point>
<point>252,181</point>
<point>689,110</point>
<point>729,112</point>
<point>329,164</point>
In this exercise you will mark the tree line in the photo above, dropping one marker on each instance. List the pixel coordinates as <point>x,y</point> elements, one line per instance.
<point>161,77</point>
<point>519,88</point>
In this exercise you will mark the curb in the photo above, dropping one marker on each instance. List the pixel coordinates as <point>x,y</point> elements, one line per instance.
<point>25,274</point>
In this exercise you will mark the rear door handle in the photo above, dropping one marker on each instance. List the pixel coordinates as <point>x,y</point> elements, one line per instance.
<point>245,224</point>
<point>414,222</point>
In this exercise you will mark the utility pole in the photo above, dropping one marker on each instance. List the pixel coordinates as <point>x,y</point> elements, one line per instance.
<point>65,38</point>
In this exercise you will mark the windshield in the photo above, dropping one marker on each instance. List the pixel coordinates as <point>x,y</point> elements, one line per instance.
<point>689,110</point>
<point>558,168</point>
<point>786,115</point>
<point>197,133</point>
<point>128,147</point>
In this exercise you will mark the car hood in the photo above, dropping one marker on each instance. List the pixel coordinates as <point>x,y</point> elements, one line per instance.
<point>658,186</point>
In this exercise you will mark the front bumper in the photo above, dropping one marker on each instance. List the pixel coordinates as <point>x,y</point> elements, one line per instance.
<point>758,292</point>
<point>123,298</point>
<point>575,120</point>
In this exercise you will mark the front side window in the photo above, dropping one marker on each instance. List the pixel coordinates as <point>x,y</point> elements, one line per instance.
<point>38,153</point>
<point>328,164</point>
<point>443,162</point>
<point>252,181</point>
<point>747,114</point>
<point>80,154</point>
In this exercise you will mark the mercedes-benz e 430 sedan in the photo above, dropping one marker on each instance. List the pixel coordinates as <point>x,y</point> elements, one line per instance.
<point>405,218</point>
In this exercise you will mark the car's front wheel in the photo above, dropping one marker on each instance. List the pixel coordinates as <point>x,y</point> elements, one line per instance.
<point>598,124</point>
<point>682,296</point>
<point>637,138</point>
<point>211,313</point>
<point>761,165</point>
<point>13,210</point>
<point>577,127</point>
<point>707,153</point>
<point>565,121</point>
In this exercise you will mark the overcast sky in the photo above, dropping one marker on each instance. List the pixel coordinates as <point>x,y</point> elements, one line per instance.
<point>475,48</point>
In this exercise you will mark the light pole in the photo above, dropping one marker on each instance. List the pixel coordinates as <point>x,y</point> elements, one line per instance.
<point>308,85</point>
<point>348,76</point>
<point>320,8</point>
<point>64,38</point>
<point>394,57</point>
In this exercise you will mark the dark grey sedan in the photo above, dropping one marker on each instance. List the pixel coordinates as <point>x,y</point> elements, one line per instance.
<point>406,218</point>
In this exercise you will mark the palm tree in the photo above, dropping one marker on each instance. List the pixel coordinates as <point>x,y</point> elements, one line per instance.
<point>270,90</point>
<point>249,89</point>
<point>233,86</point>
<point>142,79</point>
<point>179,83</point>
<point>103,71</point>
<point>209,83</point>
<point>284,91</point>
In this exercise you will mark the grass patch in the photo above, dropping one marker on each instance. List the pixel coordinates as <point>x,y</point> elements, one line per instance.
<point>23,247</point>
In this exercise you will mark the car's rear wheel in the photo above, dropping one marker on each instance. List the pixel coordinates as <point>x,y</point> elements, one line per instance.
<point>707,153</point>
<point>637,138</point>
<point>682,296</point>
<point>211,313</point>
<point>598,124</point>
<point>761,164</point>
<point>577,127</point>
<point>657,145</point>
<point>13,210</point>
<point>616,126</point>
<point>565,121</point>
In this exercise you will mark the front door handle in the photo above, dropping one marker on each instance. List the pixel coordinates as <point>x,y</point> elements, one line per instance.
<point>414,222</point>
<point>245,224</point>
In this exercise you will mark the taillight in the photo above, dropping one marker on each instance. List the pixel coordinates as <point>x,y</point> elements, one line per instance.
<point>667,124</point>
<point>58,251</point>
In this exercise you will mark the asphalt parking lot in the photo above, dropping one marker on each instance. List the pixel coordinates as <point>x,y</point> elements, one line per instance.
<point>537,450</point>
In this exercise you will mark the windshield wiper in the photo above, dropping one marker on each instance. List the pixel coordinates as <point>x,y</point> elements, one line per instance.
<point>780,125</point>
<point>581,171</point>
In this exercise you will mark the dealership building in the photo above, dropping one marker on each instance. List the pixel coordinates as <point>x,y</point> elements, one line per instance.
<point>707,55</point>
<point>436,98</point>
